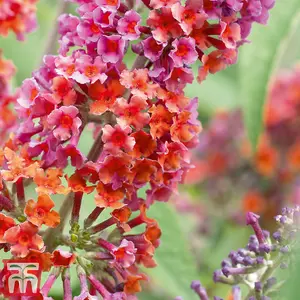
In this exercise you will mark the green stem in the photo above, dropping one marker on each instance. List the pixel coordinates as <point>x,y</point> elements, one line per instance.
<point>53,235</point>
<point>51,43</point>
<point>266,275</point>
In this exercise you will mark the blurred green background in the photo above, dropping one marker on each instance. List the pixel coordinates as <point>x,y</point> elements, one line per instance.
<point>222,91</point>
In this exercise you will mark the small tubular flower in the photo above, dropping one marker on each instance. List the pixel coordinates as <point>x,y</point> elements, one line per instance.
<point>189,17</point>
<point>138,82</point>
<point>41,212</point>
<point>128,26</point>
<point>112,5</point>
<point>184,52</point>
<point>18,17</point>
<point>124,254</point>
<point>23,238</point>
<point>62,258</point>
<point>18,167</point>
<point>109,197</point>
<point>132,284</point>
<point>77,183</point>
<point>63,91</point>
<point>49,182</point>
<point>103,17</point>
<point>152,48</point>
<point>117,138</point>
<point>89,71</point>
<point>6,223</point>
<point>104,95</point>
<point>165,25</point>
<point>160,121</point>
<point>266,159</point>
<point>111,48</point>
<point>65,122</point>
<point>132,113</point>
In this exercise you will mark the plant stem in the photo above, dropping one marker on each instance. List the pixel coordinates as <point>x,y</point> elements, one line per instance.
<point>139,62</point>
<point>266,275</point>
<point>96,148</point>
<point>94,119</point>
<point>76,207</point>
<point>52,234</point>
<point>51,43</point>
<point>93,217</point>
<point>20,192</point>
<point>65,209</point>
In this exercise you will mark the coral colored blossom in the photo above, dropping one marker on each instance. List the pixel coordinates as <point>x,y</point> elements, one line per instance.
<point>23,238</point>
<point>124,254</point>
<point>18,167</point>
<point>132,113</point>
<point>89,71</point>
<point>65,122</point>
<point>139,84</point>
<point>184,52</point>
<point>266,159</point>
<point>62,258</point>
<point>104,95</point>
<point>19,17</point>
<point>117,138</point>
<point>128,26</point>
<point>111,48</point>
<point>41,212</point>
<point>49,182</point>
<point>63,90</point>
<point>109,197</point>
<point>6,223</point>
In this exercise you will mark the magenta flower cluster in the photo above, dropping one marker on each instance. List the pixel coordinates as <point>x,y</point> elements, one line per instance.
<point>143,128</point>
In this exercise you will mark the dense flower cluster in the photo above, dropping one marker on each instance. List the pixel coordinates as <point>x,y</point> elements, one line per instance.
<point>17,16</point>
<point>143,127</point>
<point>260,182</point>
<point>176,35</point>
<point>7,98</point>
<point>255,264</point>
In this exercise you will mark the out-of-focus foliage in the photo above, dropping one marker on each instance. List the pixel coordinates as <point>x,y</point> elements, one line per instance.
<point>258,61</point>
<point>291,290</point>
<point>176,263</point>
<point>28,54</point>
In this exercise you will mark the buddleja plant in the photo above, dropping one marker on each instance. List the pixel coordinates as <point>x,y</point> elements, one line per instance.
<point>143,129</point>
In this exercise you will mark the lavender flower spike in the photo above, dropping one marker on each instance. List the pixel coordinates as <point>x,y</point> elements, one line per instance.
<point>254,265</point>
<point>199,289</point>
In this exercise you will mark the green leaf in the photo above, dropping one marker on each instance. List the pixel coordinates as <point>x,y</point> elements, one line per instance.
<point>290,289</point>
<point>218,92</point>
<point>259,60</point>
<point>149,296</point>
<point>176,265</point>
